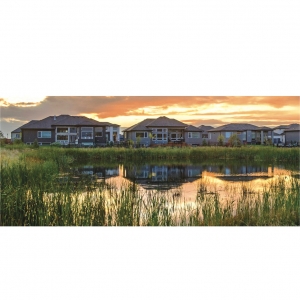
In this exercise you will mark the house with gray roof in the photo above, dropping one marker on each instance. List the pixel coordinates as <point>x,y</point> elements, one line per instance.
<point>279,135</point>
<point>204,129</point>
<point>163,130</point>
<point>17,133</point>
<point>66,129</point>
<point>247,133</point>
<point>292,134</point>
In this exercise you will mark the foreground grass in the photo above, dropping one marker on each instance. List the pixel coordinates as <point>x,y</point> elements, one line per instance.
<point>32,195</point>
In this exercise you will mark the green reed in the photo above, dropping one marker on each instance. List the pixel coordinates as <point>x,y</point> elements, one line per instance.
<point>35,191</point>
<point>33,194</point>
<point>247,153</point>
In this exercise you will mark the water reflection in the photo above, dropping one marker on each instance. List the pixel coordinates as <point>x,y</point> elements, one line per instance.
<point>161,176</point>
<point>217,177</point>
<point>96,171</point>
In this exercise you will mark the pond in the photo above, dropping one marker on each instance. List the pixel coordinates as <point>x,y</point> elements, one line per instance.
<point>185,181</point>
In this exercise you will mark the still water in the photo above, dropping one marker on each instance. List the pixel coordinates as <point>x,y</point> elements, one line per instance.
<point>187,180</point>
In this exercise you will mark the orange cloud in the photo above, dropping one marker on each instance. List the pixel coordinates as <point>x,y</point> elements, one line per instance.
<point>126,110</point>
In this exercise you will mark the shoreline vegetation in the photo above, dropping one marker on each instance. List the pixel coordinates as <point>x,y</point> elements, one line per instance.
<point>249,153</point>
<point>31,194</point>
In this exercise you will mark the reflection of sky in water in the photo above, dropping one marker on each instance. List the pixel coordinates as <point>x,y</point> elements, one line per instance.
<point>185,181</point>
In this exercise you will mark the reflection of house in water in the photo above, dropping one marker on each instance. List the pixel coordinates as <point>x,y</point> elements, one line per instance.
<point>99,172</point>
<point>164,177</point>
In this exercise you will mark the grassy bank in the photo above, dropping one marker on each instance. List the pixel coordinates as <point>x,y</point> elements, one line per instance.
<point>32,195</point>
<point>254,153</point>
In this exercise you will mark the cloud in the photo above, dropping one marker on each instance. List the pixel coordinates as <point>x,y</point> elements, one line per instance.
<point>210,110</point>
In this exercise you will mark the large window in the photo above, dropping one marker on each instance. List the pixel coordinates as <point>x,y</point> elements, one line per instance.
<point>62,130</point>
<point>227,135</point>
<point>160,137</point>
<point>98,131</point>
<point>141,134</point>
<point>193,135</point>
<point>86,132</point>
<point>44,134</point>
<point>62,137</point>
<point>73,130</point>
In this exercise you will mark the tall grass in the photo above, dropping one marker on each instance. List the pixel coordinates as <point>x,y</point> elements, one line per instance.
<point>255,153</point>
<point>33,195</point>
<point>33,191</point>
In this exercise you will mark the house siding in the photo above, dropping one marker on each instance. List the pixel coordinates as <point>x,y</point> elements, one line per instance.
<point>292,136</point>
<point>30,135</point>
<point>193,141</point>
<point>131,135</point>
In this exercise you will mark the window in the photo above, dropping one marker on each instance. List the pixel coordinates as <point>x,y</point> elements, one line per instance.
<point>227,135</point>
<point>159,129</point>
<point>17,135</point>
<point>141,134</point>
<point>44,134</point>
<point>205,135</point>
<point>193,135</point>
<point>86,132</point>
<point>62,130</point>
<point>125,135</point>
<point>98,131</point>
<point>62,137</point>
<point>73,130</point>
<point>161,136</point>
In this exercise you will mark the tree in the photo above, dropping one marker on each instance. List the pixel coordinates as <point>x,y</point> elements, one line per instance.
<point>204,142</point>
<point>2,135</point>
<point>221,140</point>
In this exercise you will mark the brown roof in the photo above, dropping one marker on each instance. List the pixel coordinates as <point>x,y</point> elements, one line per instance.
<point>140,126</point>
<point>235,127</point>
<point>290,126</point>
<point>293,128</point>
<point>264,128</point>
<point>19,129</point>
<point>166,122</point>
<point>64,120</point>
<point>205,127</point>
<point>193,128</point>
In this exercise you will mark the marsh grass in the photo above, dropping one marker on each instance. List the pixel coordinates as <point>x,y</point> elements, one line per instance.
<point>248,153</point>
<point>37,190</point>
<point>31,195</point>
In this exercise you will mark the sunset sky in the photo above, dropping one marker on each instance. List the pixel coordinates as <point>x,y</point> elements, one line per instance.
<point>126,111</point>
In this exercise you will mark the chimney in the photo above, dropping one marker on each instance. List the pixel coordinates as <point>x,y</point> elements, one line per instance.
<point>54,117</point>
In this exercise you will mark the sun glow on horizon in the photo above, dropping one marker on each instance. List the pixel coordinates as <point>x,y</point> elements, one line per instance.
<point>24,99</point>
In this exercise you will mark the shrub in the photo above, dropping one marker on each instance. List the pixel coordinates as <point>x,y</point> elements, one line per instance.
<point>221,140</point>
<point>234,141</point>
<point>35,144</point>
<point>55,144</point>
<point>17,142</point>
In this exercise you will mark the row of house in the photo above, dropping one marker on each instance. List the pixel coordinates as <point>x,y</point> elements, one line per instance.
<point>164,130</point>
<point>66,129</point>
